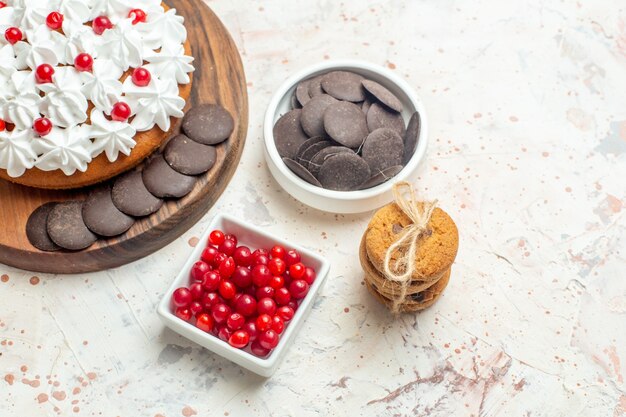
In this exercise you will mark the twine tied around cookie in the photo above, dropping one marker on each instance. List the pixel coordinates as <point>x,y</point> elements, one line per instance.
<point>401,271</point>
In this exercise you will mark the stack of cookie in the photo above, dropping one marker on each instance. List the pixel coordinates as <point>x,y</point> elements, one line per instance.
<point>436,250</point>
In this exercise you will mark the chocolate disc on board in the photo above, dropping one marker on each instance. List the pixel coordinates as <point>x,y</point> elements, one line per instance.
<point>102,217</point>
<point>189,157</point>
<point>208,124</point>
<point>163,181</point>
<point>67,228</point>
<point>37,228</point>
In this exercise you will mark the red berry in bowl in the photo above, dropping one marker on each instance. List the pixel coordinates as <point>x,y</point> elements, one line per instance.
<point>83,62</point>
<point>209,254</point>
<point>216,237</point>
<point>228,247</point>
<point>224,333</point>
<point>182,297</point>
<point>54,20</point>
<point>13,35</point>
<point>261,275</point>
<point>278,324</point>
<point>227,290</point>
<point>282,296</point>
<point>277,266</point>
<point>260,256</point>
<point>250,328</point>
<point>183,313</point>
<point>100,24</point>
<point>44,73</point>
<point>239,339</point>
<point>235,321</point>
<point>293,304</point>
<point>263,322</point>
<point>299,289</point>
<point>196,291</point>
<point>219,258</point>
<point>198,270</point>
<point>138,16</point>
<point>242,277</point>
<point>227,267</point>
<point>278,252</point>
<point>266,306</point>
<point>263,292</point>
<point>296,271</point>
<point>232,237</point>
<point>309,275</point>
<point>196,308</point>
<point>285,312</point>
<point>292,257</point>
<point>258,350</point>
<point>121,112</point>
<point>42,126</point>
<point>268,339</point>
<point>276,282</point>
<point>243,256</point>
<point>204,322</point>
<point>246,305</point>
<point>141,77</point>
<point>220,312</point>
<point>209,299</point>
<point>211,281</point>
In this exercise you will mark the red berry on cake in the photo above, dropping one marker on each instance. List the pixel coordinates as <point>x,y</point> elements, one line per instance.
<point>54,20</point>
<point>100,24</point>
<point>141,77</point>
<point>42,126</point>
<point>13,35</point>
<point>138,16</point>
<point>2,5</point>
<point>44,73</point>
<point>83,62</point>
<point>3,125</point>
<point>121,112</point>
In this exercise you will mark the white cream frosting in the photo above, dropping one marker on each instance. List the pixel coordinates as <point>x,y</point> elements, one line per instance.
<point>156,44</point>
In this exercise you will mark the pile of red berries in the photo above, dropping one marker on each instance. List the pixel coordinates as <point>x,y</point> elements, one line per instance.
<point>243,297</point>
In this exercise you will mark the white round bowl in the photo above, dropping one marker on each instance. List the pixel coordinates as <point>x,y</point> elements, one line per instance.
<point>342,201</point>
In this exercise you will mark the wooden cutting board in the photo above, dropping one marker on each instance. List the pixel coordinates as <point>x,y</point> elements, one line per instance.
<point>219,78</point>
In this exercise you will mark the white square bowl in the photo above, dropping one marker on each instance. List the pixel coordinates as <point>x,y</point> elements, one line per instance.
<point>255,238</point>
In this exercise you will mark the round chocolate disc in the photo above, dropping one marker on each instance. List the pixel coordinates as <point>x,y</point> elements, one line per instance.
<point>301,172</point>
<point>381,177</point>
<point>312,150</point>
<point>295,104</point>
<point>412,136</point>
<point>345,123</point>
<point>344,85</point>
<point>315,86</point>
<point>208,124</point>
<point>365,106</point>
<point>189,157</point>
<point>378,116</point>
<point>343,172</point>
<point>306,144</point>
<point>318,160</point>
<point>382,149</point>
<point>302,92</point>
<point>102,217</point>
<point>67,228</point>
<point>288,134</point>
<point>164,182</point>
<point>37,228</point>
<point>313,114</point>
<point>383,95</point>
<point>130,196</point>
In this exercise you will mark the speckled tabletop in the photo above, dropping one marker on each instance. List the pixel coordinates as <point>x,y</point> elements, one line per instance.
<point>527,106</point>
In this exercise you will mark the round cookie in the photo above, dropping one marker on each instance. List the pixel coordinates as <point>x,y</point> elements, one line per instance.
<point>163,181</point>
<point>288,134</point>
<point>436,249</point>
<point>313,114</point>
<point>344,85</point>
<point>378,117</point>
<point>102,217</point>
<point>189,157</point>
<point>208,124</point>
<point>346,123</point>
<point>382,149</point>
<point>37,231</point>
<point>66,227</point>
<point>383,95</point>
<point>343,172</point>
<point>130,196</point>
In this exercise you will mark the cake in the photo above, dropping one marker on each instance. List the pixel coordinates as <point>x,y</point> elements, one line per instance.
<point>88,88</point>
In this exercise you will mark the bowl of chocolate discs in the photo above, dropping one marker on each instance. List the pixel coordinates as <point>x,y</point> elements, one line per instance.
<point>340,133</point>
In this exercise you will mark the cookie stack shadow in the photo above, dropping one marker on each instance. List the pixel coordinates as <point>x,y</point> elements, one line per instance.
<point>436,252</point>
